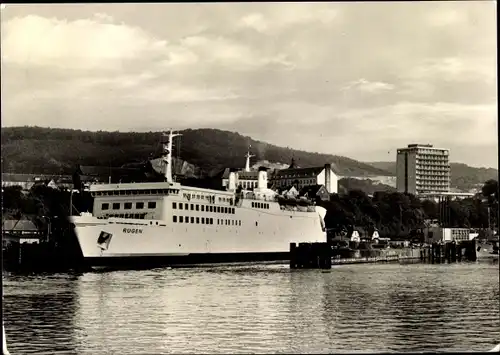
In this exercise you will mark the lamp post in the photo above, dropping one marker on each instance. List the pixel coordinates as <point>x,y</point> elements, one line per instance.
<point>71,201</point>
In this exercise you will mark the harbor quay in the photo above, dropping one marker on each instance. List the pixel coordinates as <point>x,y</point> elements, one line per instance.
<point>322,256</point>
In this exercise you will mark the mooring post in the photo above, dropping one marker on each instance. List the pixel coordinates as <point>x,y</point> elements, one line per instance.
<point>328,256</point>
<point>472,251</point>
<point>293,255</point>
<point>453,251</point>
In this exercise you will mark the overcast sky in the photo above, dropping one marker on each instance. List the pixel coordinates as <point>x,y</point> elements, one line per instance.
<point>354,79</point>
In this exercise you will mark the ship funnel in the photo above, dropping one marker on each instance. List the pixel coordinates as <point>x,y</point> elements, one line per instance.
<point>262,182</point>
<point>232,181</point>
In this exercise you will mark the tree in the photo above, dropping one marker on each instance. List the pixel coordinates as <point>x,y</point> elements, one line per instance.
<point>490,189</point>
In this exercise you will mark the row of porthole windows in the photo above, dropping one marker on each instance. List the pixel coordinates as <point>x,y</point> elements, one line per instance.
<point>260,205</point>
<point>205,220</point>
<point>127,205</point>
<point>203,208</point>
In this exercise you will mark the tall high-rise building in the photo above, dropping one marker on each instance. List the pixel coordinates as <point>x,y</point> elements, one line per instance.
<point>421,168</point>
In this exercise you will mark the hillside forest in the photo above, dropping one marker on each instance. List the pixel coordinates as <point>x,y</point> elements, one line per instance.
<point>58,151</point>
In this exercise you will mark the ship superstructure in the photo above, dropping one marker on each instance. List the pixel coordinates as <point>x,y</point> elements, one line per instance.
<point>166,223</point>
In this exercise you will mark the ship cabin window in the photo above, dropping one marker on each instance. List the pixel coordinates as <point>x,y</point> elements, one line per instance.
<point>181,219</point>
<point>127,205</point>
<point>151,204</point>
<point>181,206</point>
<point>174,218</point>
<point>202,220</point>
<point>192,219</point>
<point>116,206</point>
<point>186,219</point>
<point>218,209</point>
<point>139,205</point>
<point>174,205</point>
<point>203,208</point>
<point>105,206</point>
<point>239,223</point>
<point>197,207</point>
<point>186,206</point>
<point>197,220</point>
<point>260,205</point>
<point>192,207</point>
<point>210,208</point>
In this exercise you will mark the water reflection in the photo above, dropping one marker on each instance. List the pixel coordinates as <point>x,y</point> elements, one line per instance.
<point>39,308</point>
<point>382,308</point>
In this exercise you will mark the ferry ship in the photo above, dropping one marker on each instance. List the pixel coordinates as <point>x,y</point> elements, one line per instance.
<point>168,224</point>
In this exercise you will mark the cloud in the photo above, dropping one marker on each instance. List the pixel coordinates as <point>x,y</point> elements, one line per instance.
<point>442,17</point>
<point>289,16</point>
<point>453,69</point>
<point>175,93</point>
<point>224,51</point>
<point>103,43</point>
<point>372,87</point>
<point>255,21</point>
<point>87,43</point>
<point>409,121</point>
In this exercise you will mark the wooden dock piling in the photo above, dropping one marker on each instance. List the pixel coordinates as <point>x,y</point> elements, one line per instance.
<point>310,256</point>
<point>293,255</point>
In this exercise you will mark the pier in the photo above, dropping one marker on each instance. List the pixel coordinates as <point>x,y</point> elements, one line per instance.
<point>449,252</point>
<point>322,256</point>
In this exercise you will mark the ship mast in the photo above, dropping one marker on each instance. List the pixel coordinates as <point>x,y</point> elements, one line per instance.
<point>167,157</point>
<point>248,156</point>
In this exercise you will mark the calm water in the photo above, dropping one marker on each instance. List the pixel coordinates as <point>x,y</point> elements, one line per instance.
<point>257,309</point>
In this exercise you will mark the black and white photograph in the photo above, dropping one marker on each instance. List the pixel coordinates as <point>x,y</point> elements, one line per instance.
<point>249,177</point>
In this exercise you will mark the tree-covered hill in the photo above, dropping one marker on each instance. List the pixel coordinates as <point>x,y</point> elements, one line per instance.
<point>49,150</point>
<point>463,177</point>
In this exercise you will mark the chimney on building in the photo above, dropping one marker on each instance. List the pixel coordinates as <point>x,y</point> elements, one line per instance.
<point>328,177</point>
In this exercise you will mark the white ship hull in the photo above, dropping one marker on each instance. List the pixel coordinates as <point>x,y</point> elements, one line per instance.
<point>165,223</point>
<point>134,243</point>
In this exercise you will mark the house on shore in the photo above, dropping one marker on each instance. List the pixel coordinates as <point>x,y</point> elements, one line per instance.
<point>27,181</point>
<point>302,177</point>
<point>21,231</point>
